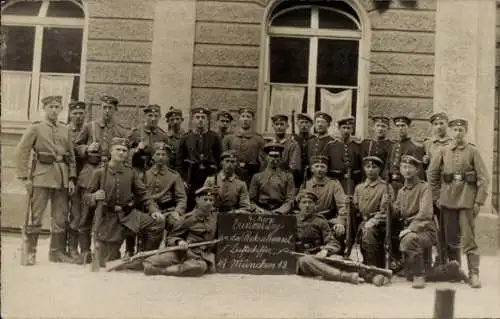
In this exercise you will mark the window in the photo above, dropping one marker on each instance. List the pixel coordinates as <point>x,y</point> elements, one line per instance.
<point>312,60</point>
<point>42,54</point>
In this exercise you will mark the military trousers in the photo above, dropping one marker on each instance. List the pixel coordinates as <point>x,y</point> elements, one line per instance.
<point>413,246</point>
<point>372,242</point>
<point>58,198</point>
<point>460,230</point>
<point>176,263</point>
<point>309,266</point>
<point>75,211</point>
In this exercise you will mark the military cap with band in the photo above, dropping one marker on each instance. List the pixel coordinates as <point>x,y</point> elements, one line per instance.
<point>247,110</point>
<point>382,119</point>
<point>108,99</point>
<point>225,114</point>
<point>458,122</point>
<point>162,146</point>
<point>346,121</point>
<point>279,117</point>
<point>273,148</point>
<point>305,117</point>
<point>229,154</point>
<point>52,99</point>
<point>205,191</point>
<point>307,194</point>
<point>200,110</point>
<point>152,108</point>
<point>173,112</point>
<point>319,159</point>
<point>402,118</point>
<point>439,116</point>
<point>323,115</point>
<point>120,141</point>
<point>373,160</point>
<point>77,105</point>
<point>410,159</point>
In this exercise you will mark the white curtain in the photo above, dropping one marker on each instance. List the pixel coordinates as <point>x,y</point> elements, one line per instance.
<point>284,99</point>
<point>338,105</point>
<point>15,95</point>
<point>56,85</point>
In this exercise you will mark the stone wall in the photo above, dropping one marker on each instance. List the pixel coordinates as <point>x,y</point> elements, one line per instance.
<point>496,154</point>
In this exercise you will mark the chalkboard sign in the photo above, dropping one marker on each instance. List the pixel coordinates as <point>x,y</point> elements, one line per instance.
<point>256,244</point>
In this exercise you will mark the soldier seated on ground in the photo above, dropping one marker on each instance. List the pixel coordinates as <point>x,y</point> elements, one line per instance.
<point>314,237</point>
<point>194,227</point>
<point>413,206</point>
<point>273,190</point>
<point>232,191</point>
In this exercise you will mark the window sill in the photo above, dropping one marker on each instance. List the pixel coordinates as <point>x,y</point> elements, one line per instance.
<point>14,127</point>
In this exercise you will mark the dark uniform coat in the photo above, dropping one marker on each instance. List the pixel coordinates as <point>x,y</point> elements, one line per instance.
<point>167,188</point>
<point>403,147</point>
<point>378,148</point>
<point>346,155</point>
<point>273,190</point>
<point>149,136</point>
<point>233,192</point>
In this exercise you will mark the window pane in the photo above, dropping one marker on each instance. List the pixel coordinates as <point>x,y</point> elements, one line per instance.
<point>319,107</point>
<point>64,9</point>
<point>294,18</point>
<point>30,8</point>
<point>17,48</point>
<point>329,19</point>
<point>337,62</point>
<point>289,60</point>
<point>61,50</point>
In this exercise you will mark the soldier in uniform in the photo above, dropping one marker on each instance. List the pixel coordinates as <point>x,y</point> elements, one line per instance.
<point>460,181</point>
<point>174,121</point>
<point>346,156</point>
<point>440,138</point>
<point>304,122</point>
<point>379,146</point>
<point>273,190</point>
<point>367,201</point>
<point>232,191</point>
<point>196,226</point>
<point>92,147</point>
<point>291,156</point>
<point>224,119</point>
<point>321,143</point>
<point>143,137</point>
<point>413,206</point>
<point>199,153</point>
<point>315,237</point>
<point>248,145</point>
<point>54,174</point>
<point>124,194</point>
<point>331,201</point>
<point>76,119</point>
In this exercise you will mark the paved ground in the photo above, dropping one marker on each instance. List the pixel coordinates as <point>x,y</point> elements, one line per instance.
<point>69,291</point>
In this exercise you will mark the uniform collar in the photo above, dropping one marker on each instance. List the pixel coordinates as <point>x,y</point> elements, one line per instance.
<point>52,124</point>
<point>242,133</point>
<point>118,169</point>
<point>323,182</point>
<point>272,171</point>
<point>170,133</point>
<point>304,217</point>
<point>460,147</point>
<point>109,124</point>
<point>412,185</point>
<point>282,141</point>
<point>443,139</point>
<point>404,139</point>
<point>321,136</point>
<point>374,183</point>
<point>223,177</point>
<point>151,130</point>
<point>73,127</point>
<point>162,170</point>
<point>199,215</point>
<point>200,133</point>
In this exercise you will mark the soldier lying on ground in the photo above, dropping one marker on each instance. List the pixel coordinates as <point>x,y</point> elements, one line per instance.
<point>196,226</point>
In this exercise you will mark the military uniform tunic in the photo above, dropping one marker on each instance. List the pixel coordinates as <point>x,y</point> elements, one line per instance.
<point>173,141</point>
<point>434,145</point>
<point>378,148</point>
<point>402,147</point>
<point>319,145</point>
<point>314,234</point>
<point>167,189</point>
<point>302,140</point>
<point>291,156</point>
<point>149,136</point>
<point>76,197</point>
<point>55,165</point>
<point>331,198</point>
<point>273,190</point>
<point>345,155</point>
<point>233,192</point>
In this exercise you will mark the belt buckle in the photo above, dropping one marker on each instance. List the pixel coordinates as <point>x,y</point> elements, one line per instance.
<point>59,158</point>
<point>243,164</point>
<point>457,177</point>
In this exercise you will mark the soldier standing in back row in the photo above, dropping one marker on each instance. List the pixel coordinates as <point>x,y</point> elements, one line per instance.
<point>290,158</point>
<point>249,146</point>
<point>54,174</point>
<point>224,119</point>
<point>304,122</point>
<point>440,138</point>
<point>198,154</point>
<point>174,121</point>
<point>460,181</point>
<point>379,146</point>
<point>321,143</point>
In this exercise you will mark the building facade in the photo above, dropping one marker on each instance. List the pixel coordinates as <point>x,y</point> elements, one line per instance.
<point>358,57</point>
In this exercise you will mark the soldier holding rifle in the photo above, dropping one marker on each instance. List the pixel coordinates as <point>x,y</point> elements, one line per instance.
<point>54,174</point>
<point>196,226</point>
<point>174,121</point>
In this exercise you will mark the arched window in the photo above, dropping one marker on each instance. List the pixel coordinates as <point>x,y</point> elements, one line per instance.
<point>312,60</point>
<point>42,54</point>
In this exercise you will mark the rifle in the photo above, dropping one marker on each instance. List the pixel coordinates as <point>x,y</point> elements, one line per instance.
<point>97,257</point>
<point>388,227</point>
<point>293,124</point>
<point>25,247</point>
<point>441,242</point>
<point>351,223</point>
<point>347,265</point>
<point>116,264</point>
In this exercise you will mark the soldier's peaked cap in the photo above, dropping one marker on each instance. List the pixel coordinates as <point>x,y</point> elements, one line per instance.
<point>52,99</point>
<point>152,108</point>
<point>173,112</point>
<point>401,118</point>
<point>77,105</point>
<point>346,121</point>
<point>307,194</point>
<point>279,117</point>
<point>225,114</point>
<point>247,110</point>
<point>108,99</point>
<point>229,154</point>
<point>200,110</point>
<point>410,159</point>
<point>319,159</point>
<point>458,122</point>
<point>373,160</point>
<point>381,119</point>
<point>323,115</point>
<point>205,191</point>
<point>305,117</point>
<point>438,116</point>
<point>272,147</point>
<point>162,146</point>
<point>120,141</point>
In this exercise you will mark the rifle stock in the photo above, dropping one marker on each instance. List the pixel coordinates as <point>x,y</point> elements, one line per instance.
<point>27,220</point>
<point>350,226</point>
<point>116,264</point>
<point>388,228</point>
<point>97,257</point>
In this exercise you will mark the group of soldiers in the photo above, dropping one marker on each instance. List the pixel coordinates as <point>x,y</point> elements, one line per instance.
<point>147,182</point>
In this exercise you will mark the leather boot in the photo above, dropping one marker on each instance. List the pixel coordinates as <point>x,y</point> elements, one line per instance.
<point>84,242</point>
<point>57,247</point>
<point>32,244</point>
<point>73,247</point>
<point>130,245</point>
<point>150,270</point>
<point>473,264</point>
<point>455,254</point>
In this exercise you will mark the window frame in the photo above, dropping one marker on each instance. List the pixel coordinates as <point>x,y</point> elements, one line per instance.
<point>40,22</point>
<point>363,36</point>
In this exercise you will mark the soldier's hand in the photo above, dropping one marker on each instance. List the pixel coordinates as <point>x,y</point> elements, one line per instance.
<point>158,216</point>
<point>476,209</point>
<point>403,233</point>
<point>425,159</point>
<point>93,147</point>
<point>141,146</point>
<point>182,245</point>
<point>339,229</point>
<point>100,195</point>
<point>71,187</point>
<point>322,253</point>
<point>28,185</point>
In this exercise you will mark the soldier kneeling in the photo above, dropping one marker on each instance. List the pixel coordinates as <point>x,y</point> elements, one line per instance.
<point>194,227</point>
<point>315,237</point>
